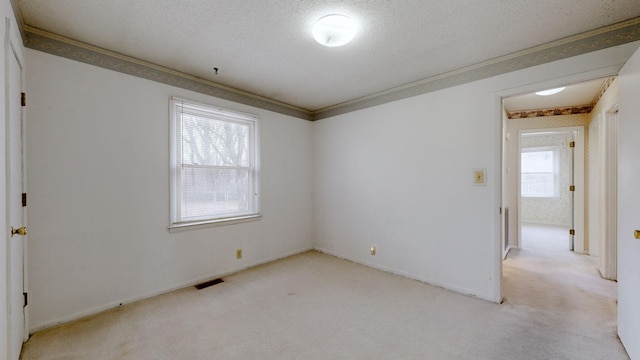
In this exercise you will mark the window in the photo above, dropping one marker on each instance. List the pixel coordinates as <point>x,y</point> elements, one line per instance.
<point>539,172</point>
<point>214,164</point>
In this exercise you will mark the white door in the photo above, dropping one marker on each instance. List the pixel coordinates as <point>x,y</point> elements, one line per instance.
<point>4,306</point>
<point>14,186</point>
<point>629,206</point>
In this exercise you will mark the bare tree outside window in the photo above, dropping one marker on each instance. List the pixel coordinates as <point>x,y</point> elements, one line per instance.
<point>217,167</point>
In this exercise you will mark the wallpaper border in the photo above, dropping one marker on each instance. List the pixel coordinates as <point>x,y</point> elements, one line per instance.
<point>598,39</point>
<point>602,38</point>
<point>50,43</point>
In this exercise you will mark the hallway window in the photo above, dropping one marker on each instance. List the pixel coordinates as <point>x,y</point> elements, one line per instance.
<point>539,172</point>
<point>214,164</point>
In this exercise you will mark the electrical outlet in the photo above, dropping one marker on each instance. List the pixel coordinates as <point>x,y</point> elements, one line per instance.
<point>239,254</point>
<point>373,250</point>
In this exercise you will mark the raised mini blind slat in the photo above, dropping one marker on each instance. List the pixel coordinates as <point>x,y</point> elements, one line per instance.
<point>189,108</point>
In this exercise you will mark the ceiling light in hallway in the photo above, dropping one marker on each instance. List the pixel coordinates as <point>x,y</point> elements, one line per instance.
<point>550,91</point>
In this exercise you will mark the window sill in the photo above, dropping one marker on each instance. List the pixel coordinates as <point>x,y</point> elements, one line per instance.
<point>195,225</point>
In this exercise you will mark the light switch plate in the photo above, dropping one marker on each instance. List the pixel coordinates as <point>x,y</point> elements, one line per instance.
<point>479,177</point>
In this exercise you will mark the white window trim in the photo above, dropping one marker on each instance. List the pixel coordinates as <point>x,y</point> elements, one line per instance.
<point>174,171</point>
<point>556,170</point>
<point>195,225</point>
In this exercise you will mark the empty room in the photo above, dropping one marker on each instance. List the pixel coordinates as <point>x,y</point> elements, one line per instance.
<point>320,180</point>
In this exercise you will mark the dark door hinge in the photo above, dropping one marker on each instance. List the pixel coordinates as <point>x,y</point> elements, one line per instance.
<point>572,232</point>
<point>26,299</point>
<point>23,99</point>
<point>24,199</point>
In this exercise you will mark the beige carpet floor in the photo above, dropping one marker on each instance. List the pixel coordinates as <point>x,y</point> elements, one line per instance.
<point>315,306</point>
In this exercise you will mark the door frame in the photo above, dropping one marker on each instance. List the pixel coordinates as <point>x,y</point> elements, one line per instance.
<point>500,144</point>
<point>578,165</point>
<point>609,244</point>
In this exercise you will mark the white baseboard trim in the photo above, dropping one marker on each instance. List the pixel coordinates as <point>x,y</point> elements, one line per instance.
<point>114,304</point>
<point>432,282</point>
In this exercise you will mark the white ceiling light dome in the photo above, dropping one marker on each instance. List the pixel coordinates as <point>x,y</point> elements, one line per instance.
<point>334,30</point>
<point>550,91</point>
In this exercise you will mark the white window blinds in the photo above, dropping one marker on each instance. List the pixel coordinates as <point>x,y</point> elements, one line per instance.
<point>214,164</point>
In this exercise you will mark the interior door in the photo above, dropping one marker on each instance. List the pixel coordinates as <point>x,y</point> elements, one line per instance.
<point>17,234</point>
<point>628,203</point>
<point>4,305</point>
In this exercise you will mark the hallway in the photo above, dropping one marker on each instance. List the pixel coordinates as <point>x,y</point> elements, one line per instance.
<point>550,285</point>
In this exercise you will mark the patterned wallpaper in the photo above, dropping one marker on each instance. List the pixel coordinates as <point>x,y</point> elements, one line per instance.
<point>550,112</point>
<point>511,182</point>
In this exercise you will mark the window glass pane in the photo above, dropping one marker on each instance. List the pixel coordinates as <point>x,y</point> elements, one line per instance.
<point>537,162</point>
<point>206,192</point>
<point>538,174</point>
<point>538,185</point>
<point>207,141</point>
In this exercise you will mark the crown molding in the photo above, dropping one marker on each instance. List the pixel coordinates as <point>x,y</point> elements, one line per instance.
<point>54,44</point>
<point>598,39</point>
<point>594,40</point>
<point>18,14</point>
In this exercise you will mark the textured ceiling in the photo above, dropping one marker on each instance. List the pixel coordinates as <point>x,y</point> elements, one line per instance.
<point>574,95</point>
<point>265,47</point>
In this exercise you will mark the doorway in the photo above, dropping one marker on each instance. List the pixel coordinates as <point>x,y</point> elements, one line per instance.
<point>547,236</point>
<point>551,188</point>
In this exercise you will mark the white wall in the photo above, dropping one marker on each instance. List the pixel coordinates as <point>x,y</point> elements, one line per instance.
<point>628,200</point>
<point>399,176</point>
<point>98,175</point>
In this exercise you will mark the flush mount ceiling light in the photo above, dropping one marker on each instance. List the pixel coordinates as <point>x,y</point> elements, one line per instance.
<point>334,30</point>
<point>550,91</point>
